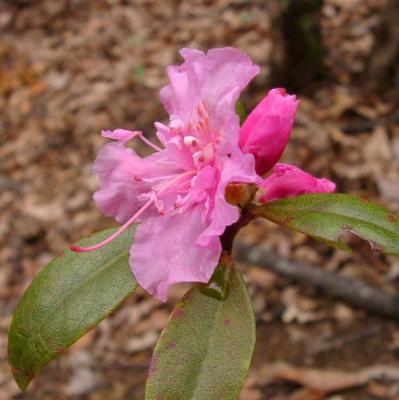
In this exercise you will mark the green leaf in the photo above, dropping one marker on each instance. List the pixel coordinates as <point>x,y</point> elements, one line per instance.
<point>70,296</point>
<point>205,350</point>
<point>218,285</point>
<point>240,110</point>
<point>327,216</point>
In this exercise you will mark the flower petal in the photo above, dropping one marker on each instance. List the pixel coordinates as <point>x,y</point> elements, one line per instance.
<point>165,252</point>
<point>125,179</point>
<point>116,165</point>
<point>216,79</point>
<point>240,168</point>
<point>122,135</point>
<point>289,181</point>
<point>267,129</point>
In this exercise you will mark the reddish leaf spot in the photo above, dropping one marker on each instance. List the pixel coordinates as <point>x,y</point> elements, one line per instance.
<point>286,220</point>
<point>171,345</point>
<point>226,321</point>
<point>89,328</point>
<point>392,218</point>
<point>177,313</point>
<point>29,374</point>
<point>186,296</point>
<point>14,370</point>
<point>153,366</point>
<point>60,351</point>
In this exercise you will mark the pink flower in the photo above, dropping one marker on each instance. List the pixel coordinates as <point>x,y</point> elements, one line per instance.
<point>266,131</point>
<point>288,181</point>
<point>178,192</point>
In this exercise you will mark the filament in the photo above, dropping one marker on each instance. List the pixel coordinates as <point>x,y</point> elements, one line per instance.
<point>109,239</point>
<point>79,249</point>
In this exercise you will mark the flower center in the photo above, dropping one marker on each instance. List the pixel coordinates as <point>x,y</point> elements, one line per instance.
<point>198,136</point>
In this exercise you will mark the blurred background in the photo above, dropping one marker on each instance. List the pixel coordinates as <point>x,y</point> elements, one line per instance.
<point>70,68</point>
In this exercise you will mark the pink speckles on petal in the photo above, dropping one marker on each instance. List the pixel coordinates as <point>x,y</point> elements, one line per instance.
<point>288,181</point>
<point>119,170</point>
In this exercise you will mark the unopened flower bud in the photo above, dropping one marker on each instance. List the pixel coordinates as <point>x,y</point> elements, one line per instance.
<point>266,130</point>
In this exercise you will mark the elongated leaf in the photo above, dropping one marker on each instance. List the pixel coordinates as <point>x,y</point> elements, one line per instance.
<point>70,296</point>
<point>205,350</point>
<point>327,216</point>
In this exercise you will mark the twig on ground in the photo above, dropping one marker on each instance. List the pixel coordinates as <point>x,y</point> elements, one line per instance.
<point>347,289</point>
<point>316,347</point>
<point>327,381</point>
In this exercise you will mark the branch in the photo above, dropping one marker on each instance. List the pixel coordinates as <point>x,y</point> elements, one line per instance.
<point>328,381</point>
<point>350,290</point>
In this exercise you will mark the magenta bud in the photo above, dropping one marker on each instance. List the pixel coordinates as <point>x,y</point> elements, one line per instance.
<point>268,127</point>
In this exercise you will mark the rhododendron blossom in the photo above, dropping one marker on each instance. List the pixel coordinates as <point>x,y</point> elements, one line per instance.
<point>178,192</point>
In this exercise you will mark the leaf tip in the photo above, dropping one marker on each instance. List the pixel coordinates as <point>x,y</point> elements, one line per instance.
<point>22,378</point>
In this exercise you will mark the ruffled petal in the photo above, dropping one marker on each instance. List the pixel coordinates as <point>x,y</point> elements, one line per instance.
<point>216,79</point>
<point>165,252</point>
<point>267,129</point>
<point>118,169</point>
<point>239,168</point>
<point>289,181</point>
<point>126,179</point>
<point>121,135</point>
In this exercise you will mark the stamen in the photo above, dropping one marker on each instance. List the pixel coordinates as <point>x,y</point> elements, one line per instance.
<point>202,111</point>
<point>176,122</point>
<point>126,225</point>
<point>159,204</point>
<point>148,142</point>
<point>204,125</point>
<point>208,152</point>
<point>198,158</point>
<point>191,141</point>
<point>175,180</point>
<point>109,239</point>
<point>199,128</point>
<point>178,201</point>
<point>124,135</point>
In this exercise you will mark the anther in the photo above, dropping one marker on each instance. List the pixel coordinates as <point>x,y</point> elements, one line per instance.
<point>198,158</point>
<point>191,141</point>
